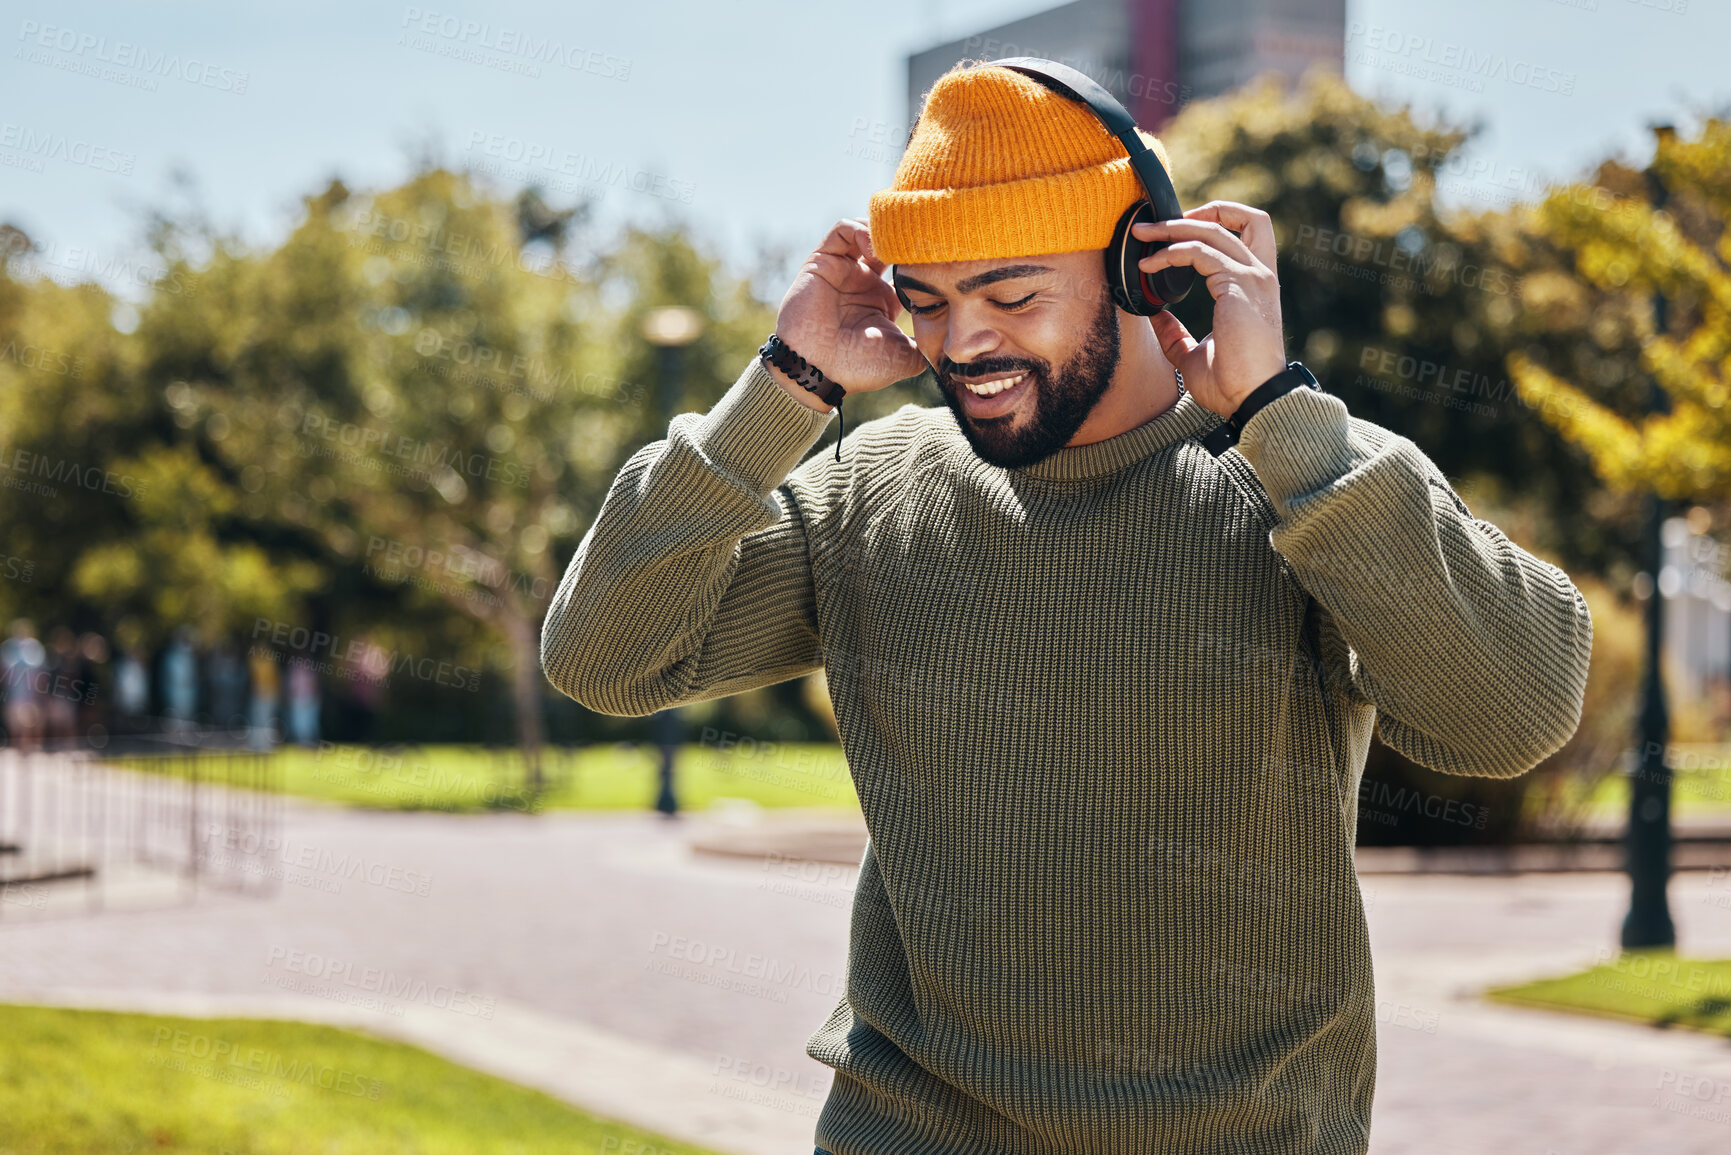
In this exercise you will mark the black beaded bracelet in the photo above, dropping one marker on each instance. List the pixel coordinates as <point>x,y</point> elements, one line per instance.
<point>807,376</point>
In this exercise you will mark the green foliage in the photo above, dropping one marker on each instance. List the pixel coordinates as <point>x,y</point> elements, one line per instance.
<point>174,567</point>
<point>323,380</point>
<point>1403,310</point>
<point>395,424</point>
<point>1626,248</point>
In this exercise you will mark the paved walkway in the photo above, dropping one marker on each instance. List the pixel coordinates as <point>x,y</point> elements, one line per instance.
<point>595,957</point>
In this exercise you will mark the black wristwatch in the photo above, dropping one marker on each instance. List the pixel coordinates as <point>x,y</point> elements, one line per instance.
<point>1226,435</point>
<point>807,376</point>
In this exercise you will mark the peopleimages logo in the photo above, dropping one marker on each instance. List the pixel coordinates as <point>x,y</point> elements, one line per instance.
<point>25,464</point>
<point>344,973</point>
<point>44,145</point>
<point>1114,79</point>
<point>85,46</point>
<point>1421,263</point>
<point>358,655</point>
<point>418,457</point>
<point>1462,60</point>
<point>227,1061</point>
<point>540,157</point>
<point>1444,378</point>
<point>514,42</point>
<point>68,264</point>
<point>338,866</point>
<point>536,377</point>
<point>42,360</point>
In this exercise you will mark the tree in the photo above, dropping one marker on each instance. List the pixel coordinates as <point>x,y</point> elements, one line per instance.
<point>430,386</point>
<point>391,429</point>
<point>1653,259</point>
<point>390,383</point>
<point>1403,309</point>
<point>1624,250</point>
<point>100,499</point>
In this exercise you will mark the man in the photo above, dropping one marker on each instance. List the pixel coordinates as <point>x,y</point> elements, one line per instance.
<point>1105,696</point>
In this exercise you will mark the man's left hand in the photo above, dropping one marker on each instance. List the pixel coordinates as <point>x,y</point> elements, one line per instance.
<point>1231,246</point>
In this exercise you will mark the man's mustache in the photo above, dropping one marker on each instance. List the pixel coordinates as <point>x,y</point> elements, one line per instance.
<point>948,370</point>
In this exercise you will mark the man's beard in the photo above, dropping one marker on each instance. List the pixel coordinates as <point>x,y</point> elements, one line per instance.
<point>1061,403</point>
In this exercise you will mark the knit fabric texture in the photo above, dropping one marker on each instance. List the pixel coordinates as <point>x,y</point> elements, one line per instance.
<point>1106,716</point>
<point>1001,166</point>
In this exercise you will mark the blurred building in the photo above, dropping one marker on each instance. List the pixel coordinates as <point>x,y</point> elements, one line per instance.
<point>1697,616</point>
<point>1155,55</point>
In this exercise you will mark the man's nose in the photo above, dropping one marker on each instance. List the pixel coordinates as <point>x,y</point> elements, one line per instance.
<point>970,340</point>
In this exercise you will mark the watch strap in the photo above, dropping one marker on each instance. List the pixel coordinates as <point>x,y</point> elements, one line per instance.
<point>1226,435</point>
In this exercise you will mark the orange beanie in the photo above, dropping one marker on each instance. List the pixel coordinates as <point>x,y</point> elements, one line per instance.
<point>1001,166</point>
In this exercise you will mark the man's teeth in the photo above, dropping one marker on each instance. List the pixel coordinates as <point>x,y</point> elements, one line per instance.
<point>988,388</point>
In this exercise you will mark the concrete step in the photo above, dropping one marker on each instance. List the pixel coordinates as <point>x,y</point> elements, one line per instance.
<point>24,869</point>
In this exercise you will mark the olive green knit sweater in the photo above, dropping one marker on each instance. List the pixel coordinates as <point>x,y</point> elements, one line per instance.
<point>1106,716</point>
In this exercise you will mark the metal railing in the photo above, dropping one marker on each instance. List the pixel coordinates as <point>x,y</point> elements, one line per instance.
<point>85,832</point>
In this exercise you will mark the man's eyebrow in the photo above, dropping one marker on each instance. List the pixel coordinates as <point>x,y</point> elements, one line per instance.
<point>1003,273</point>
<point>978,281</point>
<point>904,281</point>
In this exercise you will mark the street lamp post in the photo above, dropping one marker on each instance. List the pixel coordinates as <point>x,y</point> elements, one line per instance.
<point>1648,923</point>
<point>670,330</point>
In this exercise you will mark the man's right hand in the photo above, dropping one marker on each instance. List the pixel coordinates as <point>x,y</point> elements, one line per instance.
<point>839,315</point>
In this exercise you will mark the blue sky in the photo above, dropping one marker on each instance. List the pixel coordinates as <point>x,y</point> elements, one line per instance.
<point>759,121</point>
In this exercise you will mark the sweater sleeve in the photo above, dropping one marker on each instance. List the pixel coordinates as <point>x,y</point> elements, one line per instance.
<point>1473,651</point>
<point>694,582</point>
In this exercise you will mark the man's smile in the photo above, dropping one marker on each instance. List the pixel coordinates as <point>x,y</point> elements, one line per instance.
<point>992,396</point>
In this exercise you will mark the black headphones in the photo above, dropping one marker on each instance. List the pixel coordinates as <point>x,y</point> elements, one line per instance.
<point>1132,290</point>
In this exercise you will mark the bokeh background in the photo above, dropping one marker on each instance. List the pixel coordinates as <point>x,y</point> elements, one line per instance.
<point>324,331</point>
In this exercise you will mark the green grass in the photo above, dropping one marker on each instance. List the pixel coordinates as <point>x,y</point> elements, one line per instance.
<point>1700,782</point>
<point>472,779</point>
<point>1652,987</point>
<point>1700,787</point>
<point>82,1081</point>
<point>468,779</point>
<point>1690,794</point>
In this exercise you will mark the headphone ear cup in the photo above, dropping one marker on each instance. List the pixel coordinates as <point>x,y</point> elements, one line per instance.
<point>1133,290</point>
<point>1130,290</point>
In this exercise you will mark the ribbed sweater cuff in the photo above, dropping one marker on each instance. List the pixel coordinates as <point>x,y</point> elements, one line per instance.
<point>758,431</point>
<point>1300,443</point>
